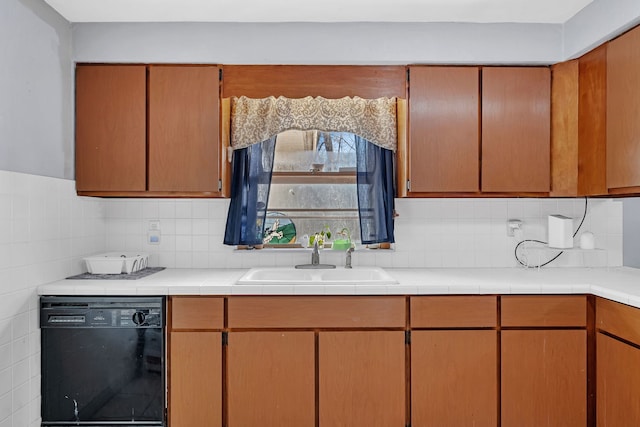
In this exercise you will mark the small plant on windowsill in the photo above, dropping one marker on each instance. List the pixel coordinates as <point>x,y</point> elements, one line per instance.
<point>321,237</point>
<point>343,242</point>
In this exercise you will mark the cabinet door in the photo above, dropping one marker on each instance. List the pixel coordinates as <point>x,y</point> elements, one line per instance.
<point>454,378</point>
<point>544,378</point>
<point>618,383</point>
<point>444,138</point>
<point>271,379</point>
<point>362,379</point>
<point>516,136</point>
<point>183,128</point>
<point>623,107</point>
<point>195,379</point>
<point>110,128</point>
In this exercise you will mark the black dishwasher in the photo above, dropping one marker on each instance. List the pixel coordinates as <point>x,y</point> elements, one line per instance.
<point>103,361</point>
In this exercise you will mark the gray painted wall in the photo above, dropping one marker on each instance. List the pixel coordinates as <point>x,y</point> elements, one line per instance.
<point>602,20</point>
<point>318,43</point>
<point>631,236</point>
<point>36,83</point>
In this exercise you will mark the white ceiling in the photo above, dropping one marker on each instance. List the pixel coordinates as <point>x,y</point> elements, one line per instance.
<point>481,11</point>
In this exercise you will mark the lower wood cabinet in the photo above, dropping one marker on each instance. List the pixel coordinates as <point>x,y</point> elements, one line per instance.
<point>454,361</point>
<point>454,378</point>
<point>544,378</point>
<point>195,362</point>
<point>195,379</point>
<point>362,379</point>
<point>618,359</point>
<point>543,361</point>
<point>618,383</point>
<point>346,361</point>
<point>271,379</point>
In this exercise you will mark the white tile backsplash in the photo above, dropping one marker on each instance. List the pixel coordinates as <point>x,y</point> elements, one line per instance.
<point>44,233</point>
<point>429,233</point>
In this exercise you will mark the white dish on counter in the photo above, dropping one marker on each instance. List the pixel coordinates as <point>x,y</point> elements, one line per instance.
<point>116,262</point>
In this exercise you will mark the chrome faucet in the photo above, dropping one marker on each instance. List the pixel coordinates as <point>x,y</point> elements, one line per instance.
<point>347,262</point>
<point>315,260</point>
<point>315,255</point>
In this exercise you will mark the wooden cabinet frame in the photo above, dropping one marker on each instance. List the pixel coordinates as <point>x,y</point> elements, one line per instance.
<point>158,131</point>
<point>311,325</point>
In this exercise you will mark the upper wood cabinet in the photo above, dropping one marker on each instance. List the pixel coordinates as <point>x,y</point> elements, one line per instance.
<point>184,121</point>
<point>578,125</point>
<point>148,130</point>
<point>484,130</point>
<point>444,129</point>
<point>110,128</point>
<point>623,109</point>
<point>516,135</point>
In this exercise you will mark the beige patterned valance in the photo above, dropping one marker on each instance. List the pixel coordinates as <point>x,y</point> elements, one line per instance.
<point>256,120</point>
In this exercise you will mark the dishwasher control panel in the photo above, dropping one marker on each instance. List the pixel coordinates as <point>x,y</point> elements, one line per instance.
<point>102,313</point>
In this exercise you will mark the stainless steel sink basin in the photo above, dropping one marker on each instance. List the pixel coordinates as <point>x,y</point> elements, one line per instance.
<point>338,276</point>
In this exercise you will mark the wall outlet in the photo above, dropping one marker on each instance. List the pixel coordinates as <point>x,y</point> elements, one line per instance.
<point>512,226</point>
<point>154,225</point>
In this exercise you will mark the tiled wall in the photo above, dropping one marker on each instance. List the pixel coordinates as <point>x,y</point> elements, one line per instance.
<point>429,233</point>
<point>45,230</point>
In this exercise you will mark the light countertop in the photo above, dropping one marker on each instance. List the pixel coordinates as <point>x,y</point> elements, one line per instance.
<point>620,284</point>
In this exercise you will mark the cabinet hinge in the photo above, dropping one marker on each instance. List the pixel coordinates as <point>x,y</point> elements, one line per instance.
<point>219,185</point>
<point>225,338</point>
<point>408,185</point>
<point>407,337</point>
<point>220,74</point>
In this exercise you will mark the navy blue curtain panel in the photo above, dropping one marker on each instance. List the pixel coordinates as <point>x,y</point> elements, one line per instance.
<point>375,192</point>
<point>250,182</point>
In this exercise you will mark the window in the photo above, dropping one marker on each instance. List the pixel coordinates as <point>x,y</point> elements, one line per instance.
<point>313,187</point>
<point>321,163</point>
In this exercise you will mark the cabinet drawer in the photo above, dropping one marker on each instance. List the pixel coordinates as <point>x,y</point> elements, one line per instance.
<point>569,311</point>
<point>618,319</point>
<point>197,313</point>
<point>454,312</point>
<point>317,312</point>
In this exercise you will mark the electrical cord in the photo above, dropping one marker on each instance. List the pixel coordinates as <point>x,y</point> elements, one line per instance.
<point>586,200</point>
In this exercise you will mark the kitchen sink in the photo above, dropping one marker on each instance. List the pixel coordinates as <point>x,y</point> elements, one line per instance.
<point>338,276</point>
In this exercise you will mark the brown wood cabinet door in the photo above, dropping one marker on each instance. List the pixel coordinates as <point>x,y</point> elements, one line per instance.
<point>184,141</point>
<point>362,379</point>
<point>516,122</point>
<point>271,379</point>
<point>454,378</point>
<point>618,383</point>
<point>592,123</point>
<point>544,378</point>
<point>623,108</point>
<point>444,134</point>
<point>110,128</point>
<point>195,379</point>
